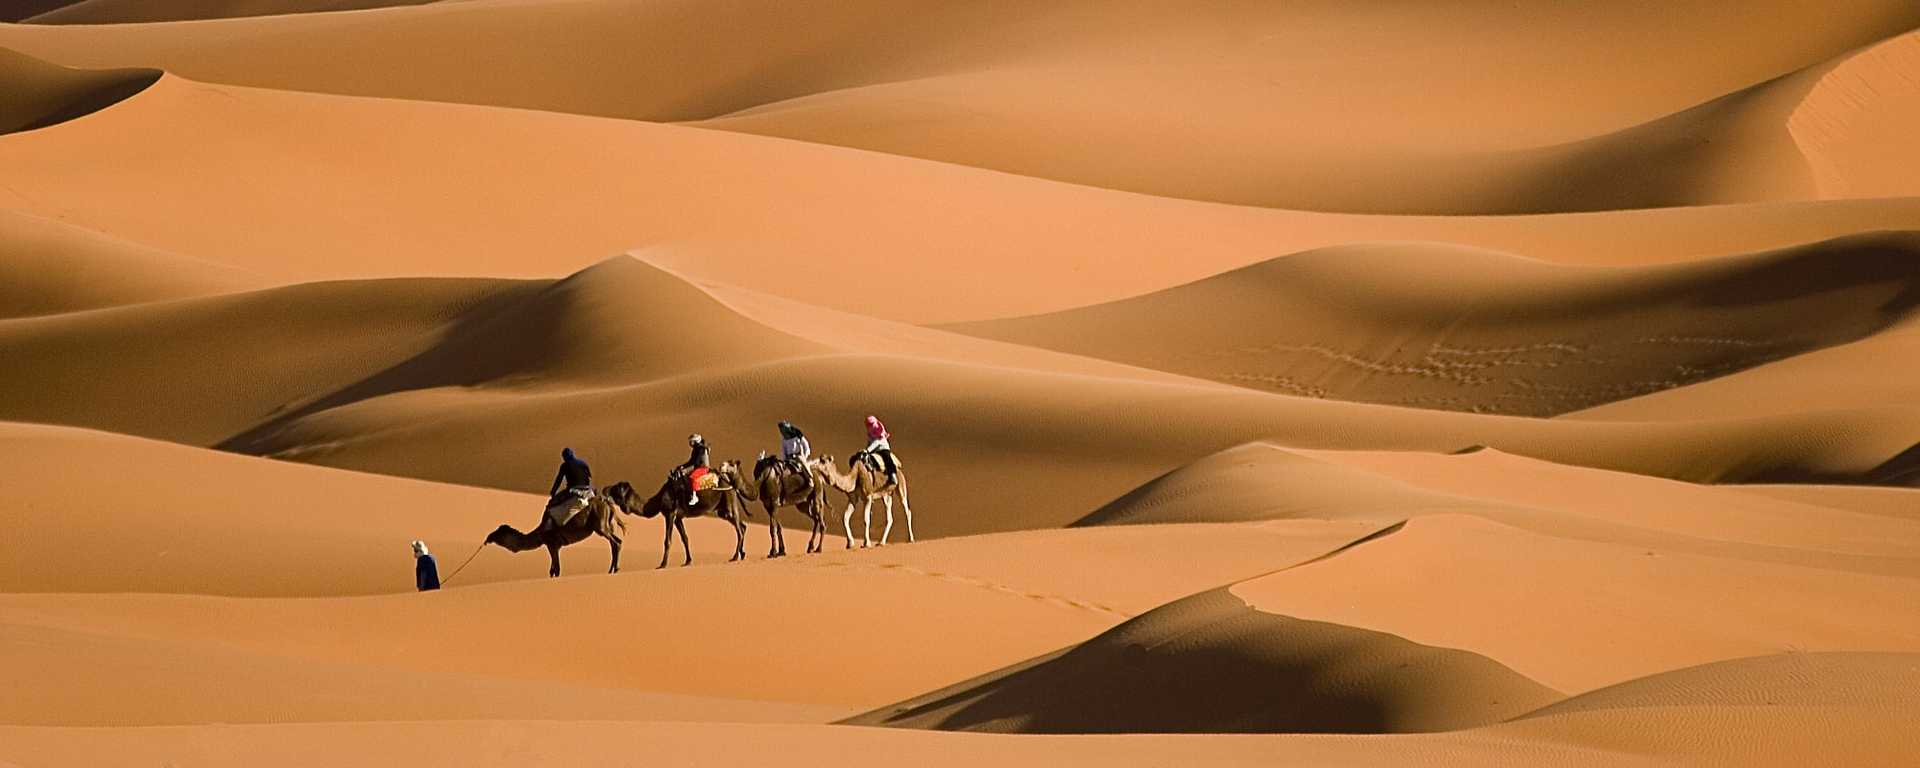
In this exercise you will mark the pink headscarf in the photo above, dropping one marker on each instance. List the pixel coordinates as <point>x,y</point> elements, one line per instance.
<point>875,429</point>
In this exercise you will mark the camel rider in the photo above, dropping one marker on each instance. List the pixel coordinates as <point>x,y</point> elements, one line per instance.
<point>795,450</point>
<point>794,446</point>
<point>572,488</point>
<point>696,468</point>
<point>877,445</point>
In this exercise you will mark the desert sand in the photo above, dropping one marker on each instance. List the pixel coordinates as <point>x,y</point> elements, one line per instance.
<point>1477,383</point>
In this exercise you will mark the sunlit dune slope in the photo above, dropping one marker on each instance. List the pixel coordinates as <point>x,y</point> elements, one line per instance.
<point>1104,95</point>
<point>47,267</point>
<point>1576,614</point>
<point>641,626</point>
<point>188,520</point>
<point>333,187</point>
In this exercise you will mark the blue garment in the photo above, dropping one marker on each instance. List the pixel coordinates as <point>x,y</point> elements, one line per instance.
<point>426,574</point>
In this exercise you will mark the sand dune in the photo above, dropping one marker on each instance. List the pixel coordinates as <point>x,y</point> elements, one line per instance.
<point>1469,383</point>
<point>1467,330</point>
<point>1593,604</point>
<point>210,682</point>
<point>188,520</point>
<point>850,629</point>
<point>1208,664</point>
<point>1852,128</point>
<point>27,8</point>
<point>503,193</point>
<point>133,12</point>
<point>39,94</point>
<point>1789,680</point>
<point>1057,91</point>
<point>1060,440</point>
<point>624,359</point>
<point>49,268</point>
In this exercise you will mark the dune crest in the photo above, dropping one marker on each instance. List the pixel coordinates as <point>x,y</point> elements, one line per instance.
<point>1856,124</point>
<point>1443,327</point>
<point>1093,94</point>
<point>1209,664</point>
<point>35,94</point>
<point>47,267</point>
<point>137,11</point>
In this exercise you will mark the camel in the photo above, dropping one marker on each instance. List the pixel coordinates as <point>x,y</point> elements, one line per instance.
<point>774,489</point>
<point>601,517</point>
<point>670,502</point>
<point>863,484</point>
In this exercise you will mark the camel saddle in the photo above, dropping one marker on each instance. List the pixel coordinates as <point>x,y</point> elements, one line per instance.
<point>873,462</point>
<point>567,503</point>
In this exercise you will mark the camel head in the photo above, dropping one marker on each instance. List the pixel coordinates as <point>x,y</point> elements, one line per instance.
<point>622,495</point>
<point>501,536</point>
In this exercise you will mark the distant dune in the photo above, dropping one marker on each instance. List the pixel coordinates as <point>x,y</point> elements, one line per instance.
<point>136,11</point>
<point>322,181</point>
<point>1459,329</point>
<point>1057,90</point>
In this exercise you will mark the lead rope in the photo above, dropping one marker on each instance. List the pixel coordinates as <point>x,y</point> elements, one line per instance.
<point>463,566</point>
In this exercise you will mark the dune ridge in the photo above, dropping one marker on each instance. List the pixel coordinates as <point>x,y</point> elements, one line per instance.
<point>52,268</point>
<point>125,12</point>
<point>1459,329</point>
<point>521,194</point>
<point>624,359</point>
<point>38,94</point>
<point>1041,91</point>
<point>1208,664</point>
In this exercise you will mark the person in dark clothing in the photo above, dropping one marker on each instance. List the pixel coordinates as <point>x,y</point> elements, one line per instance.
<point>697,465</point>
<point>573,473</point>
<point>426,573</point>
<point>572,488</point>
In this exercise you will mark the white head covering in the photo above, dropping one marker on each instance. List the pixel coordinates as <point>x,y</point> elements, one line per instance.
<point>419,548</point>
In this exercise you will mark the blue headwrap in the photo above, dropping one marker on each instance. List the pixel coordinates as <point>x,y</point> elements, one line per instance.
<point>566,453</point>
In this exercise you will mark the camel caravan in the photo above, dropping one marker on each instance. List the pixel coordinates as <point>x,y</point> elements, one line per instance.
<point>795,478</point>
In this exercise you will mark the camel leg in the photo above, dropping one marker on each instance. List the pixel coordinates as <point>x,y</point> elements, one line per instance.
<point>773,532</point>
<point>739,520</point>
<point>782,538</point>
<point>615,545</point>
<point>666,544</point>
<point>887,531</point>
<point>866,527</point>
<point>818,538</point>
<point>907,508</point>
<point>846,523</point>
<point>680,524</point>
<point>553,553</point>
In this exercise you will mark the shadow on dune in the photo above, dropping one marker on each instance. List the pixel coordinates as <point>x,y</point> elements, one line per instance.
<point>1211,664</point>
<point>36,94</point>
<point>617,322</point>
<point>1443,327</point>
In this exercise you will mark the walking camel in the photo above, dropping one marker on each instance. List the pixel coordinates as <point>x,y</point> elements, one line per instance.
<point>774,489</point>
<point>863,484</point>
<point>670,503</point>
<point>600,518</point>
